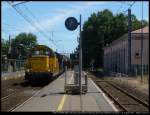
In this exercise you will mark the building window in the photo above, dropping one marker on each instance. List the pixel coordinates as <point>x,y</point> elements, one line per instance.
<point>137,54</point>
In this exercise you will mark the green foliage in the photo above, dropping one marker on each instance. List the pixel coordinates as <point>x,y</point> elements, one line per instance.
<point>4,47</point>
<point>100,29</point>
<point>22,44</point>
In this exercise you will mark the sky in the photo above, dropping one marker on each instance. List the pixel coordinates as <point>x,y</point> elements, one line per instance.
<point>50,17</point>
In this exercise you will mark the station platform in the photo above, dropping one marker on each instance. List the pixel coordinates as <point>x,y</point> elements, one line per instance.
<point>52,98</point>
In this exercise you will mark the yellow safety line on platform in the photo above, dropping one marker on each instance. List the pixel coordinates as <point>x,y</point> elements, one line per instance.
<point>61,104</point>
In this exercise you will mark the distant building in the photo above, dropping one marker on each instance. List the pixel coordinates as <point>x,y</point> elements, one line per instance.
<point>116,53</point>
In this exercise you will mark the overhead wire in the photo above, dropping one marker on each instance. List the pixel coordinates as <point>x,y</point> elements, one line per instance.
<point>130,5</point>
<point>13,26</point>
<point>28,20</point>
<point>8,24</point>
<point>4,31</point>
<point>34,17</point>
<point>39,24</point>
<point>32,23</point>
<point>119,9</point>
<point>12,29</point>
<point>18,3</point>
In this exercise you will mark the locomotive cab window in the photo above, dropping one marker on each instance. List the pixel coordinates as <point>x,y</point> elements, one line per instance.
<point>42,50</point>
<point>46,52</point>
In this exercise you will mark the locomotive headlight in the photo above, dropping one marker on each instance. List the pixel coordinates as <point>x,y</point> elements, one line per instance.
<point>28,70</point>
<point>49,70</point>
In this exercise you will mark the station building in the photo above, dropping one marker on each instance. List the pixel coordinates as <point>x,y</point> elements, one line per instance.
<point>116,53</point>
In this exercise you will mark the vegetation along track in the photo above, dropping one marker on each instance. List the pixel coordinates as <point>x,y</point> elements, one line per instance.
<point>123,99</point>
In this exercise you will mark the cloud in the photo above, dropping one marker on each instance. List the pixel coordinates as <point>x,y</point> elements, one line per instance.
<point>61,15</point>
<point>5,6</point>
<point>59,11</point>
<point>94,3</point>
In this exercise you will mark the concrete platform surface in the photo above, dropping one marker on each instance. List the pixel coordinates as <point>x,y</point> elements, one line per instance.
<point>52,98</point>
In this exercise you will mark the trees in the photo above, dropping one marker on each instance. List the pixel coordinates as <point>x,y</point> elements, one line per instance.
<point>136,24</point>
<point>21,45</point>
<point>100,29</point>
<point>4,47</point>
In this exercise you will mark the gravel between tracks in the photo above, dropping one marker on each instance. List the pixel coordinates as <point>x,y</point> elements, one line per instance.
<point>142,95</point>
<point>128,85</point>
<point>17,91</point>
<point>130,104</point>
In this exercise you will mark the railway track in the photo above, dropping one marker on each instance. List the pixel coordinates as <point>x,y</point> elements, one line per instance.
<point>6,97</point>
<point>17,97</point>
<point>124,100</point>
<point>14,93</point>
<point>20,92</point>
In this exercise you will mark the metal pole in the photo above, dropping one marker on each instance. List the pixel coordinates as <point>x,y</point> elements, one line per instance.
<point>129,41</point>
<point>9,53</point>
<point>142,45</point>
<point>111,58</point>
<point>65,75</point>
<point>80,58</point>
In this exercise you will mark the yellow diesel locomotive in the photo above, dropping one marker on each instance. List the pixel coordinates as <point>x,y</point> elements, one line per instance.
<point>42,64</point>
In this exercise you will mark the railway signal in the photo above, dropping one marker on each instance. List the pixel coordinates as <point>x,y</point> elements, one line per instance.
<point>71,24</point>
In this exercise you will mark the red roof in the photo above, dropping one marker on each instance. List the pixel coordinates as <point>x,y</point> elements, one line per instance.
<point>145,30</point>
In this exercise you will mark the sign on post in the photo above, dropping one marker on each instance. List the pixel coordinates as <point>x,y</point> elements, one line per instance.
<point>71,23</point>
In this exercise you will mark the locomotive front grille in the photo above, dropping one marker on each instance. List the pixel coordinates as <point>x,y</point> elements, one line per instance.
<point>39,64</point>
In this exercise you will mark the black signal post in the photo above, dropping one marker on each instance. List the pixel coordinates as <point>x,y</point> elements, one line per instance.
<point>71,24</point>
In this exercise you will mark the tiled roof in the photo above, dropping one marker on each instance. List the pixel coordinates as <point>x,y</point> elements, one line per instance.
<point>125,36</point>
<point>145,30</point>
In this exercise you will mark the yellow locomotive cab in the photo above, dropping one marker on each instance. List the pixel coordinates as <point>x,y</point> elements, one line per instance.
<point>39,63</point>
<point>42,64</point>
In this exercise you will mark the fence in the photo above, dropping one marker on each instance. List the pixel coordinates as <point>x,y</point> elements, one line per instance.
<point>136,69</point>
<point>12,65</point>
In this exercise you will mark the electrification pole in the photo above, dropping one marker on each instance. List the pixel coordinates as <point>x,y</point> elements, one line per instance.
<point>80,58</point>
<point>9,55</point>
<point>129,41</point>
<point>142,46</point>
<point>9,51</point>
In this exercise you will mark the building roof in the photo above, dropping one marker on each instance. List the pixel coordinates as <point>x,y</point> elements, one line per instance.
<point>145,30</point>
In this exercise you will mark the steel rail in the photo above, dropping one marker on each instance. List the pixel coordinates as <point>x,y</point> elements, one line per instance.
<point>123,91</point>
<point>6,97</point>
<point>130,95</point>
<point>110,96</point>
